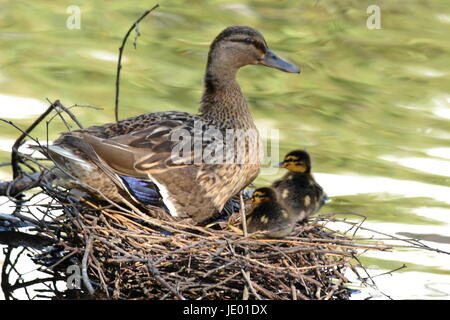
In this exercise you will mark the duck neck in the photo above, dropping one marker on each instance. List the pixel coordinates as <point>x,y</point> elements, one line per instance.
<point>222,100</point>
<point>303,179</point>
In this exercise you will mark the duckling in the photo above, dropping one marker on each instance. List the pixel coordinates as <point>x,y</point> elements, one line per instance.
<point>297,190</point>
<point>267,214</point>
<point>139,158</point>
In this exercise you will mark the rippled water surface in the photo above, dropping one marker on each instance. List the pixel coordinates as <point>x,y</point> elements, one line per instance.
<point>371,106</point>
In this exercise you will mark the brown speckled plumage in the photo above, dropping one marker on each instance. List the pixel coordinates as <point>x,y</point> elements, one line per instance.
<point>140,147</point>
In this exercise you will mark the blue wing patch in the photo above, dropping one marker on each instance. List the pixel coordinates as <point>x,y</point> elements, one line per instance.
<point>143,191</point>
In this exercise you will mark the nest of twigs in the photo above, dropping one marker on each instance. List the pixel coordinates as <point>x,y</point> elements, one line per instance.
<point>130,255</point>
<point>105,250</point>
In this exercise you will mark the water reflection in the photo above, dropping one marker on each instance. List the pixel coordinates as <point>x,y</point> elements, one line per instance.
<point>439,152</point>
<point>340,185</point>
<point>442,107</point>
<point>400,286</point>
<point>433,166</point>
<point>13,107</point>
<point>433,237</point>
<point>106,56</point>
<point>372,106</point>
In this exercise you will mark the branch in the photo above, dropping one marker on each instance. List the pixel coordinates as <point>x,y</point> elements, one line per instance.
<point>119,63</point>
<point>155,272</point>
<point>84,267</point>
<point>14,153</point>
<point>20,239</point>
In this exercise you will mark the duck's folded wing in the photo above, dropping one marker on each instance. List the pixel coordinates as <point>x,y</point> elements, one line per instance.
<point>168,144</point>
<point>163,146</point>
<point>142,155</point>
<point>117,163</point>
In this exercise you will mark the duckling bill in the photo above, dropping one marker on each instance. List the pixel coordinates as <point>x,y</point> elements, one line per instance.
<point>298,191</point>
<point>269,215</point>
<point>132,157</point>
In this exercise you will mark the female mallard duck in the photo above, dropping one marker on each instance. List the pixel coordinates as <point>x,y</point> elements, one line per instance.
<point>267,214</point>
<point>297,190</point>
<point>139,157</point>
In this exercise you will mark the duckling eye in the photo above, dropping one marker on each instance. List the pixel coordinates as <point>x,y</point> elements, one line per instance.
<point>248,40</point>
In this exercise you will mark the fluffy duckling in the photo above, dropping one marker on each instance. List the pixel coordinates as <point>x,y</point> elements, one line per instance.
<point>269,215</point>
<point>297,191</point>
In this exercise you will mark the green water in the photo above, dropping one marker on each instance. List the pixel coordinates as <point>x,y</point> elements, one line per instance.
<point>364,98</point>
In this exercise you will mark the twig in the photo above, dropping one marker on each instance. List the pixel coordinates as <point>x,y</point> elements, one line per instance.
<point>371,278</point>
<point>21,239</point>
<point>157,276</point>
<point>119,63</point>
<point>294,292</point>
<point>63,259</point>
<point>20,184</point>
<point>243,217</point>
<point>391,271</point>
<point>264,291</point>
<point>66,110</point>
<point>220,283</point>
<point>249,283</point>
<point>244,231</point>
<point>25,133</point>
<point>85,276</point>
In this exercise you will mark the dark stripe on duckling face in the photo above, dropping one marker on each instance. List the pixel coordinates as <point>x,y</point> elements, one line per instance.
<point>263,195</point>
<point>295,165</point>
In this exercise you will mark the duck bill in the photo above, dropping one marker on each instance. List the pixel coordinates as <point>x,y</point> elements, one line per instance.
<point>273,61</point>
<point>279,165</point>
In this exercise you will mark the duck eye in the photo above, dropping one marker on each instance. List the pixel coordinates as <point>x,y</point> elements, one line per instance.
<point>246,40</point>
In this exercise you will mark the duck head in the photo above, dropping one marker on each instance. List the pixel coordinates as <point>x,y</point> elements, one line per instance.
<point>238,46</point>
<point>297,161</point>
<point>263,195</point>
